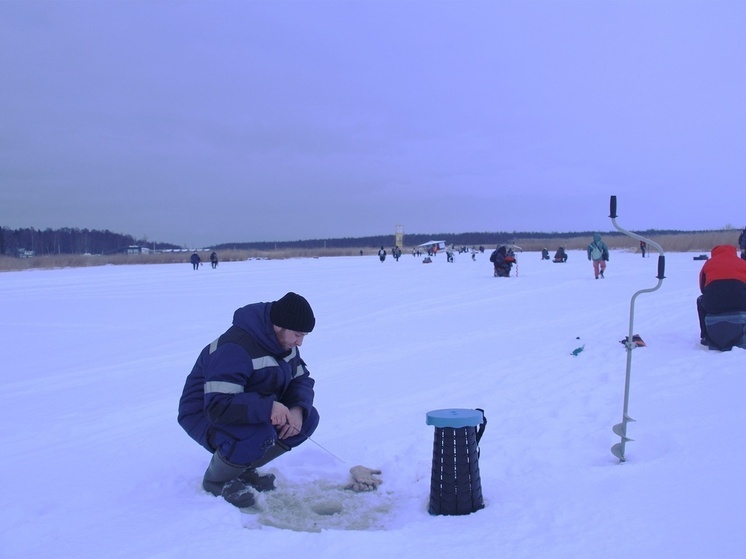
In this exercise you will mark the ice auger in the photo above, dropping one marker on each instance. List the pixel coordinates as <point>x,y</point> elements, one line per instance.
<point>629,342</point>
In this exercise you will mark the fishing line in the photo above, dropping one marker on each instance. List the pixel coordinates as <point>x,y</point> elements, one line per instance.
<point>317,444</point>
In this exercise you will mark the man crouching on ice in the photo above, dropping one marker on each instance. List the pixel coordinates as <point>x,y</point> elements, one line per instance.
<point>249,397</point>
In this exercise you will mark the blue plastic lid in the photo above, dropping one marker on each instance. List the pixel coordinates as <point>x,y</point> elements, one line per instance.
<point>454,418</point>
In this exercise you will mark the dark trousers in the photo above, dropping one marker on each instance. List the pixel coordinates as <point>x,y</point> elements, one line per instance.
<point>701,313</point>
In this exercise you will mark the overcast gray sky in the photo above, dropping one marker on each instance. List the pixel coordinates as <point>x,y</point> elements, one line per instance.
<point>200,123</point>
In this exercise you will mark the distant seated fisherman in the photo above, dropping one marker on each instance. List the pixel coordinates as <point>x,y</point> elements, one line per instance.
<point>560,255</point>
<point>249,397</point>
<point>722,305</point>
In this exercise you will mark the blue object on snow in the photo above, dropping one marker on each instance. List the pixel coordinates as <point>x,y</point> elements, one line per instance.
<point>455,418</point>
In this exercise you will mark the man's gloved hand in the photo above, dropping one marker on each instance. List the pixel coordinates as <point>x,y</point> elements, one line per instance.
<point>363,480</point>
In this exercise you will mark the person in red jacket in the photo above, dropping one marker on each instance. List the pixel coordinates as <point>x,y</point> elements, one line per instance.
<point>722,282</point>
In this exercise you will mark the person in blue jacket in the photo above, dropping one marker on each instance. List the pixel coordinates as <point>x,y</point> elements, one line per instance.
<point>249,397</point>
<point>598,252</point>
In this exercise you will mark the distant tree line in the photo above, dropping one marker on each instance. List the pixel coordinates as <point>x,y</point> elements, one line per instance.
<point>414,239</point>
<point>15,242</point>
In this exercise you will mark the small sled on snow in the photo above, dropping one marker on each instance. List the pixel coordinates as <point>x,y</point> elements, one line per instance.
<point>637,341</point>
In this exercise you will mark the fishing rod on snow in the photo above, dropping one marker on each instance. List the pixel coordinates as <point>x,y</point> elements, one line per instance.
<point>631,341</point>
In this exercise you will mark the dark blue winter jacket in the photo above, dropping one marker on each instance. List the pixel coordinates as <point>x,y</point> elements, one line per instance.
<point>502,259</point>
<point>228,395</point>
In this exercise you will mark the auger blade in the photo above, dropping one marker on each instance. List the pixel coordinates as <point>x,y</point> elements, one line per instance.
<point>618,451</point>
<point>620,429</point>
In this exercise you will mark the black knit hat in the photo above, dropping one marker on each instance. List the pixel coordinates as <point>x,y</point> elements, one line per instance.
<point>293,313</point>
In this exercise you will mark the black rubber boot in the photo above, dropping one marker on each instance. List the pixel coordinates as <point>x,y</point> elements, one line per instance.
<point>263,482</point>
<point>222,480</point>
<point>260,482</point>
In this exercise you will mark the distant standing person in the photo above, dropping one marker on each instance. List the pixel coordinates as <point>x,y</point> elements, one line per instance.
<point>742,243</point>
<point>382,254</point>
<point>214,260</point>
<point>195,260</point>
<point>502,260</point>
<point>643,248</point>
<point>598,252</point>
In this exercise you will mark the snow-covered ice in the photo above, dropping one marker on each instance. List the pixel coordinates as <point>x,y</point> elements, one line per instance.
<point>94,464</point>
